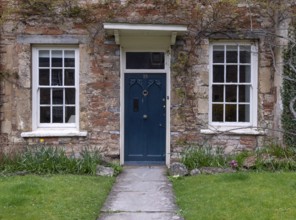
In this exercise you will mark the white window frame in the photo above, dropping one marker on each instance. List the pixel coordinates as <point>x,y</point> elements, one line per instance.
<point>35,93</point>
<point>228,126</point>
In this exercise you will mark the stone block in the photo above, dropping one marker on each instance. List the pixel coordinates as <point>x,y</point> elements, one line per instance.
<point>195,172</point>
<point>201,91</point>
<point>6,127</point>
<point>104,171</point>
<point>248,141</point>
<point>250,162</point>
<point>215,170</point>
<point>203,106</point>
<point>204,77</point>
<point>178,169</point>
<point>10,59</point>
<point>265,83</point>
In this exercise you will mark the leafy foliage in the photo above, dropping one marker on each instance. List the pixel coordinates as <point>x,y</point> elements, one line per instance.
<point>204,156</point>
<point>275,157</point>
<point>51,8</point>
<point>272,157</point>
<point>289,91</point>
<point>50,160</point>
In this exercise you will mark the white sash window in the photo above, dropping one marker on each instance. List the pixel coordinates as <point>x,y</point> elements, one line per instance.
<point>55,87</point>
<point>233,84</point>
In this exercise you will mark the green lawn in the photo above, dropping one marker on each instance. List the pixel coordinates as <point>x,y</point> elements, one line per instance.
<point>253,196</point>
<point>52,197</point>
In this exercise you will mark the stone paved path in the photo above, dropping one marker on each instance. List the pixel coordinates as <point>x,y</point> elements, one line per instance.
<point>141,193</point>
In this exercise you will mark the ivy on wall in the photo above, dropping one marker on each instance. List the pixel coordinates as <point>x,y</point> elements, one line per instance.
<point>289,91</point>
<point>51,8</point>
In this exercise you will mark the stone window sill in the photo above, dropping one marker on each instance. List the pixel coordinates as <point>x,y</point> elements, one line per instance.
<point>54,133</point>
<point>233,131</point>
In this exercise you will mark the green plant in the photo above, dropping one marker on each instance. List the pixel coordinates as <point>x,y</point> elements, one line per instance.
<point>289,92</point>
<point>279,151</point>
<point>204,156</point>
<point>272,157</point>
<point>241,156</point>
<point>49,160</point>
<point>88,161</point>
<point>275,157</point>
<point>117,168</point>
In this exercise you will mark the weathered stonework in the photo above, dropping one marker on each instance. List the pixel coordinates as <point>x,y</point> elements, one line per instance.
<point>99,83</point>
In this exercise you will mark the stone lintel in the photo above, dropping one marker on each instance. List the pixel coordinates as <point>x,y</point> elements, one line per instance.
<point>51,39</point>
<point>238,35</point>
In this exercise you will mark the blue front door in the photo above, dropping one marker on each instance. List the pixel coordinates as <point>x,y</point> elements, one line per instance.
<point>145,117</point>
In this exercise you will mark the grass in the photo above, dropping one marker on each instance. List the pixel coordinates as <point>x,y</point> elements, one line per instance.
<point>244,196</point>
<point>58,197</point>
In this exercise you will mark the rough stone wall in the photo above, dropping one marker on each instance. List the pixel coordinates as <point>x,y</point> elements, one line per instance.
<point>100,73</point>
<point>3,135</point>
<point>1,68</point>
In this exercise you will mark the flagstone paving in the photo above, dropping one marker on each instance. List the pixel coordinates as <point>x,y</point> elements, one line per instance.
<point>141,193</point>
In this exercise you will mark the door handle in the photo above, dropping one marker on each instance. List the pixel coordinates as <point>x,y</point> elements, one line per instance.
<point>145,116</point>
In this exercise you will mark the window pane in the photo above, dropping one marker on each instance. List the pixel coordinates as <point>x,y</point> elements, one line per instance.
<point>57,114</point>
<point>245,54</point>
<point>245,74</point>
<point>218,73</point>
<point>217,113</point>
<point>244,113</point>
<point>69,58</point>
<point>44,114</point>
<point>57,77</point>
<point>57,58</point>
<point>218,93</point>
<point>70,77</point>
<point>44,96</point>
<point>231,93</point>
<point>57,96</point>
<point>144,60</point>
<point>70,96</point>
<point>231,73</point>
<point>218,54</point>
<point>43,58</point>
<point>231,54</point>
<point>44,77</point>
<point>231,83</point>
<point>244,93</point>
<point>56,84</point>
<point>70,115</point>
<point>230,113</point>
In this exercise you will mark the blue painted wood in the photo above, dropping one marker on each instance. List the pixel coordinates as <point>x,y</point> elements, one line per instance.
<point>145,117</point>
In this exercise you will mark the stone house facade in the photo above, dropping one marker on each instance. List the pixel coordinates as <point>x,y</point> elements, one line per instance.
<point>140,80</point>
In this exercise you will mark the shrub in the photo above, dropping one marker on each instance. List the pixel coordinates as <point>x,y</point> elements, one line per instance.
<point>275,157</point>
<point>241,156</point>
<point>50,160</point>
<point>288,90</point>
<point>204,156</point>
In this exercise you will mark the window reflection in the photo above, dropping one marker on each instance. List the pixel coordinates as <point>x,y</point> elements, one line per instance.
<point>145,60</point>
